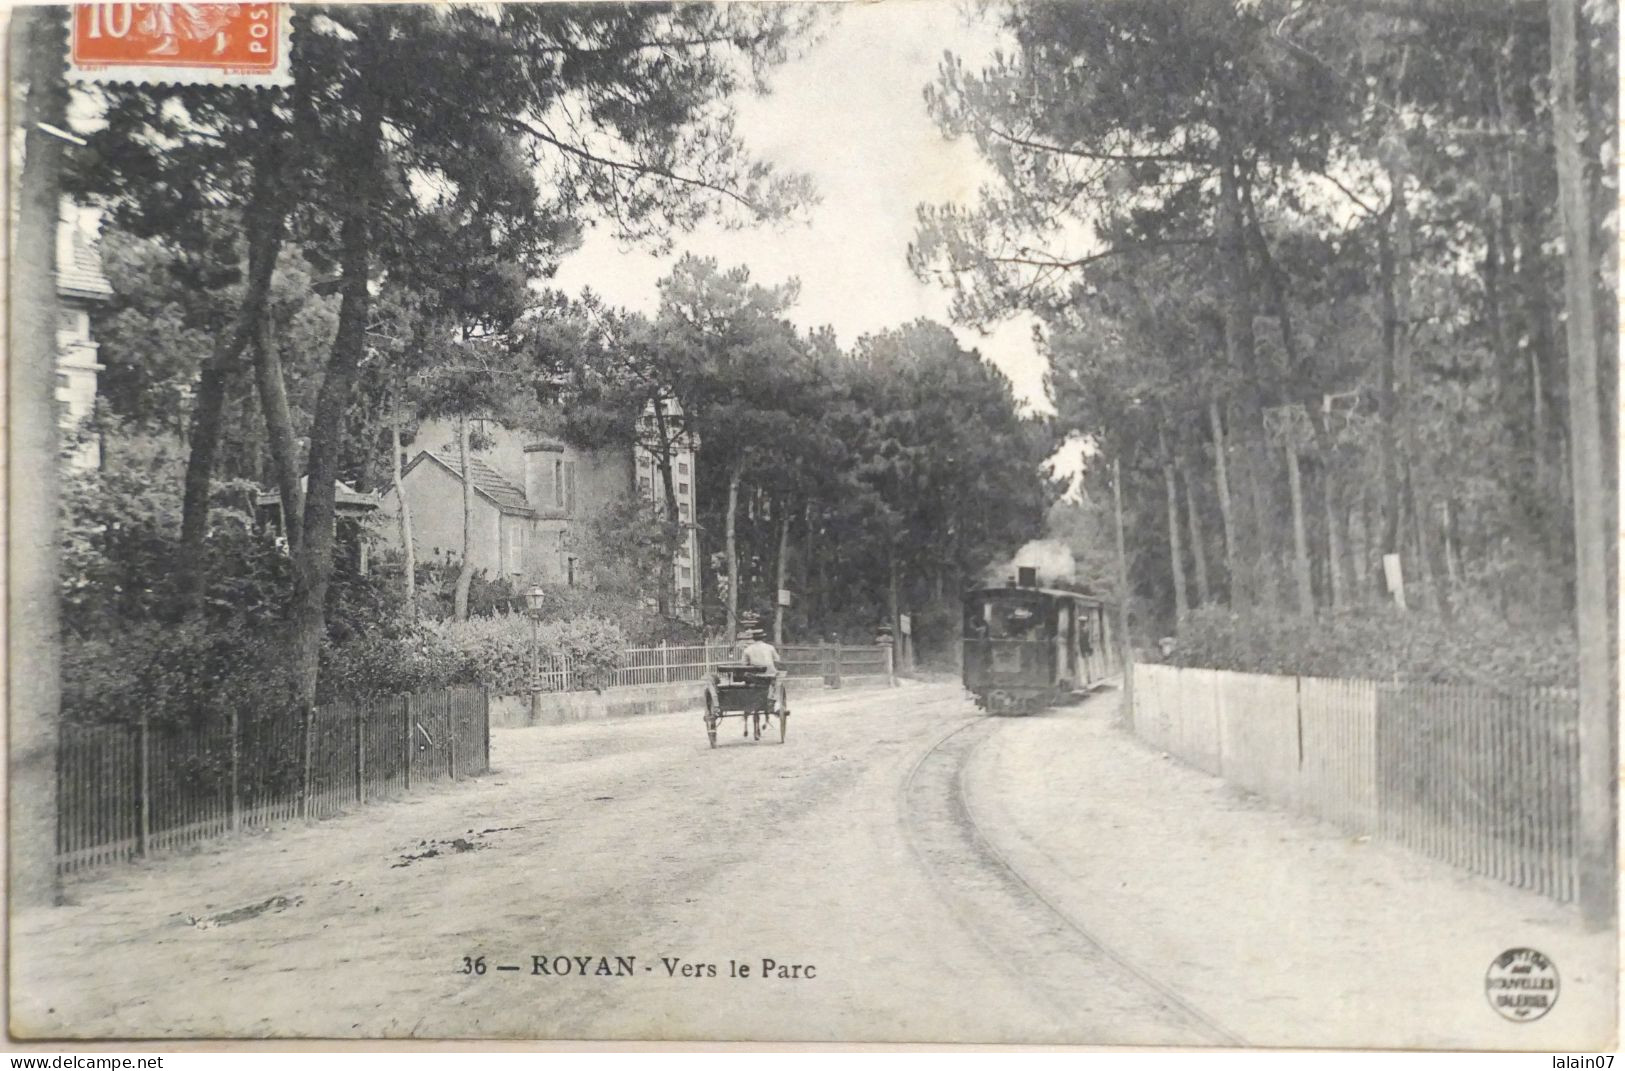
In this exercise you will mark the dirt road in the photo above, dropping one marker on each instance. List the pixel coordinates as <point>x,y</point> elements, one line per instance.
<point>888,874</point>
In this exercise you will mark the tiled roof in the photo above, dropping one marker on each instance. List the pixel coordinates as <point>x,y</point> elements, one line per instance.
<point>343,494</point>
<point>507,496</point>
<point>82,275</point>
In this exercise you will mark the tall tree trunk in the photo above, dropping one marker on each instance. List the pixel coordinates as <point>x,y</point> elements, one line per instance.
<point>812,599</point>
<point>731,543</point>
<point>35,635</point>
<point>1597,739</point>
<point>203,439</point>
<point>1430,539</point>
<point>279,435</point>
<point>1260,564</point>
<point>1404,385</point>
<point>403,515</point>
<point>1123,598</point>
<point>893,604</point>
<point>1300,535</point>
<point>1204,594</point>
<point>783,510</point>
<point>1175,553</point>
<point>1221,482</point>
<point>1300,378</point>
<point>1506,359</point>
<point>666,441</point>
<point>1242,353</point>
<point>1452,552</point>
<point>313,566</point>
<point>1364,581</point>
<point>263,225</point>
<point>465,568</point>
<point>1389,395</point>
<point>1336,540</point>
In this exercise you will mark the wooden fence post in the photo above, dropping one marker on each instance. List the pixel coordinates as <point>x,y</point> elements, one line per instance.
<point>451,736</point>
<point>361,753</point>
<point>406,739</point>
<point>309,710</point>
<point>665,663</point>
<point>144,776</point>
<point>236,772</point>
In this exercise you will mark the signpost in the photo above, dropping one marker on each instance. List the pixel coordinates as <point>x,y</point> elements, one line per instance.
<point>1395,577</point>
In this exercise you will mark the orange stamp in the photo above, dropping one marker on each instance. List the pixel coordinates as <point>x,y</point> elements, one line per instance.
<point>198,44</point>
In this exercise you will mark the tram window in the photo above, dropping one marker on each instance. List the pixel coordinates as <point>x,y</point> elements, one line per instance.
<point>1014,621</point>
<point>1085,644</point>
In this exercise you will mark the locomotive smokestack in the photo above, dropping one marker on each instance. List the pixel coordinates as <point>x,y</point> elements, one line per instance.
<point>1027,576</point>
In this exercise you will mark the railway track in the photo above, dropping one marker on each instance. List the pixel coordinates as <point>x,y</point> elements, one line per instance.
<point>1097,995</point>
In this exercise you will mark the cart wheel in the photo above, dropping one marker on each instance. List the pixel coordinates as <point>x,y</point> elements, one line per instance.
<point>711,720</point>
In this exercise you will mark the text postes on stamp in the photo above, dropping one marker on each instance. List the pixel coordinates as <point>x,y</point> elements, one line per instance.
<point>1521,984</point>
<point>191,44</point>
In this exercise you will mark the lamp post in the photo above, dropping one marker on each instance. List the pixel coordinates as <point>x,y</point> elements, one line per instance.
<point>533,603</point>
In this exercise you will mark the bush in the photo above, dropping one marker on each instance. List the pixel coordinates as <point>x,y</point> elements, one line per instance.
<point>412,659</point>
<point>1379,643</point>
<point>192,674</point>
<point>496,651</point>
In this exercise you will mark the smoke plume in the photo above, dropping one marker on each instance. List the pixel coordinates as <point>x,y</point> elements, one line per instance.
<point>1051,557</point>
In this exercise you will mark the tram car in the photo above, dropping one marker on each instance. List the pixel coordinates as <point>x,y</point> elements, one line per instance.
<point>1027,647</point>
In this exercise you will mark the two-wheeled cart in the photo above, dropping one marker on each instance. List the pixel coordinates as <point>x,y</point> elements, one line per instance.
<point>751,693</point>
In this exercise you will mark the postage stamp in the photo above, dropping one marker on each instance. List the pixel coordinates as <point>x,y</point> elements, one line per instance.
<point>188,44</point>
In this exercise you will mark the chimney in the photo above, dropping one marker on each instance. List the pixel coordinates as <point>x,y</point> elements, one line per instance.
<point>1027,576</point>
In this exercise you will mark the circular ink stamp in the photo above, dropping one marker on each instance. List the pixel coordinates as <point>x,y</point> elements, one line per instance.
<point>1521,984</point>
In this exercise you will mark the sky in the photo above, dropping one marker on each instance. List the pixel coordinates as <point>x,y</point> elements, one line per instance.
<point>851,114</point>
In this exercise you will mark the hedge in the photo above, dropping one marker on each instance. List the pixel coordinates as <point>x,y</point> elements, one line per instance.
<point>1379,643</point>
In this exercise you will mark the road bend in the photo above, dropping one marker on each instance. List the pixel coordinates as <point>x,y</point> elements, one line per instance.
<point>621,880</point>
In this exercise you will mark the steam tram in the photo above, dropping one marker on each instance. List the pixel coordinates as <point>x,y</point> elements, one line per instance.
<point>1027,647</point>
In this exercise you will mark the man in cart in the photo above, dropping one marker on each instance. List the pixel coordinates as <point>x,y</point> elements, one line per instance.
<point>759,654</point>
<point>750,683</point>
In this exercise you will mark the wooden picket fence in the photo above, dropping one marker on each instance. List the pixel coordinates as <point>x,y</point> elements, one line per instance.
<point>130,790</point>
<point>1484,780</point>
<point>676,665</point>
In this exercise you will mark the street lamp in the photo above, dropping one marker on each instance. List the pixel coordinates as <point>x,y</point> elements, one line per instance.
<point>533,602</point>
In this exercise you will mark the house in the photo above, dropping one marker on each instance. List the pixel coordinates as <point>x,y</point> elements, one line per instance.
<point>353,512</point>
<point>534,502</point>
<point>81,288</point>
<point>651,488</point>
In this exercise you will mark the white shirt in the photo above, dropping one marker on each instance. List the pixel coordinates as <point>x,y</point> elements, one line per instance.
<point>761,653</point>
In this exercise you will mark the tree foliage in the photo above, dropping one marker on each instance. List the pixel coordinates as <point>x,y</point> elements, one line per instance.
<point>1297,270</point>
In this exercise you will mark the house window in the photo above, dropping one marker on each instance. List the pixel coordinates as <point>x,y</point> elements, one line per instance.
<point>682,488</point>
<point>645,486</point>
<point>685,572</point>
<point>570,572</point>
<point>682,509</point>
<point>558,485</point>
<point>682,468</point>
<point>516,548</point>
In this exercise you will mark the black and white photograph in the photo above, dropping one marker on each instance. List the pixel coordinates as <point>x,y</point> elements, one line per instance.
<point>927,522</point>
